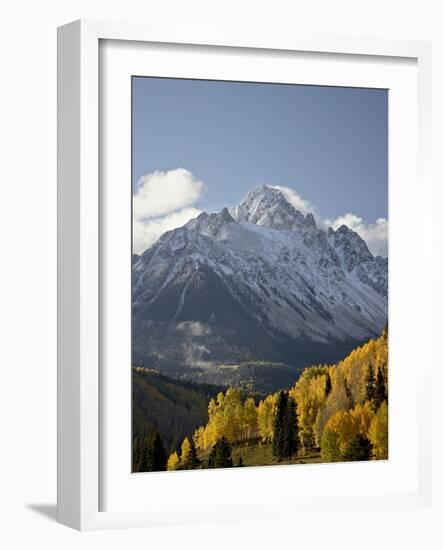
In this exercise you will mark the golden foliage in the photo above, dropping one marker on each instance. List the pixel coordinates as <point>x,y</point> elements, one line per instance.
<point>378,433</point>
<point>310,394</point>
<point>348,384</point>
<point>266,412</point>
<point>230,416</point>
<point>345,426</point>
<point>173,461</point>
<point>363,415</point>
<point>186,449</point>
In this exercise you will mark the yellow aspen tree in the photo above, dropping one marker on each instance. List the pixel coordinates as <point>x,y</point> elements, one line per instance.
<point>173,461</point>
<point>220,399</point>
<point>266,409</point>
<point>199,438</point>
<point>186,448</point>
<point>212,407</point>
<point>378,433</point>
<point>310,395</point>
<point>363,415</point>
<point>250,426</point>
<point>345,428</point>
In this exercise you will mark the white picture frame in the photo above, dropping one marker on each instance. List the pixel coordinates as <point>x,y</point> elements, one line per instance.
<point>80,205</point>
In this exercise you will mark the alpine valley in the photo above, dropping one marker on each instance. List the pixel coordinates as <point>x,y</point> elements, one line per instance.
<point>250,296</point>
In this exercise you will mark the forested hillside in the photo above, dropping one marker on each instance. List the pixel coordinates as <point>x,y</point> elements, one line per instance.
<point>332,413</point>
<point>173,408</point>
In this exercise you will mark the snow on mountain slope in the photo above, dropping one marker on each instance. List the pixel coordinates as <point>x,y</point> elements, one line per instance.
<point>259,282</point>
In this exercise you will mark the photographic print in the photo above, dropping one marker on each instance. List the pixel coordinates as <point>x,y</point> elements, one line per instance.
<point>259,274</point>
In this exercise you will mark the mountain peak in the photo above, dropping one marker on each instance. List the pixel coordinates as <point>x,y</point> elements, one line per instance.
<point>267,206</point>
<point>264,192</point>
<point>225,215</point>
<point>350,246</point>
<point>210,224</point>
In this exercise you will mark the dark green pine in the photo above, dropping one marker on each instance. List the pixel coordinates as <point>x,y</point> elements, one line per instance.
<point>370,383</point>
<point>290,435</point>
<point>278,443</point>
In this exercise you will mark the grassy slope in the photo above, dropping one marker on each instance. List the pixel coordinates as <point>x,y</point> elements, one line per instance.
<point>255,454</point>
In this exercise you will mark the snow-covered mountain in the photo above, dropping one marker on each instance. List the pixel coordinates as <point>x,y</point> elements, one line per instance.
<point>259,282</point>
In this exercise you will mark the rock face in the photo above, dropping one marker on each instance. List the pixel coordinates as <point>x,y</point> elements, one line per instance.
<point>260,282</point>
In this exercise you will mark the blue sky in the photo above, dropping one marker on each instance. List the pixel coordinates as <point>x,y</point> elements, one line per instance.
<point>327,144</point>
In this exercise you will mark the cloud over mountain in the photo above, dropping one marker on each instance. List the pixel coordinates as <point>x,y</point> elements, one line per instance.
<point>163,202</point>
<point>297,201</point>
<point>375,234</point>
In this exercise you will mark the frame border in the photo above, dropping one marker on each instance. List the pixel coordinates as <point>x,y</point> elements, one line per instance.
<point>78,206</point>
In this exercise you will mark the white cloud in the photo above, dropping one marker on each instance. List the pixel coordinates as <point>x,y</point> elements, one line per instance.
<point>147,232</point>
<point>375,234</point>
<point>298,202</point>
<point>163,201</point>
<point>161,193</point>
<point>197,355</point>
<point>194,328</point>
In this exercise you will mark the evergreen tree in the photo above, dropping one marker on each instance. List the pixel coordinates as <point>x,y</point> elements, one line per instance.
<point>285,442</point>
<point>379,389</point>
<point>140,454</point>
<point>154,454</point>
<point>328,385</point>
<point>290,436</point>
<point>359,448</point>
<point>278,443</point>
<point>370,383</point>
<point>190,459</point>
<point>221,454</point>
